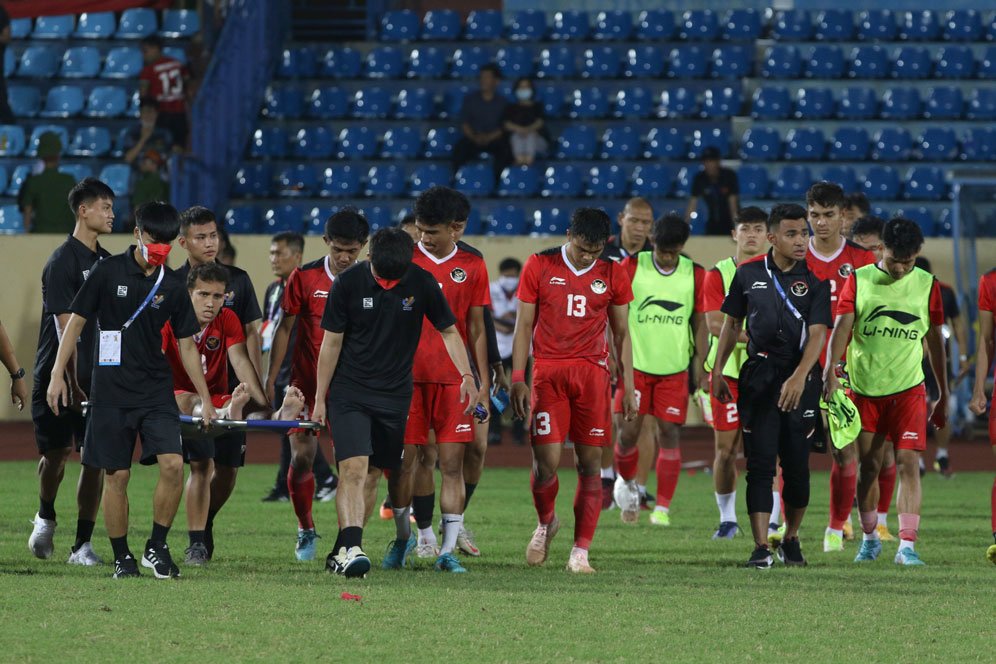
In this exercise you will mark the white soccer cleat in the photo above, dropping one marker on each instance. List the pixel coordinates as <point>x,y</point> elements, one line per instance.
<point>627,497</point>
<point>426,549</point>
<point>466,544</point>
<point>40,543</point>
<point>539,545</point>
<point>84,556</point>
<point>578,562</point>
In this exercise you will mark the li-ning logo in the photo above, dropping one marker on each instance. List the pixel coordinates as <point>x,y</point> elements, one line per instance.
<point>902,317</point>
<point>319,293</point>
<point>597,432</point>
<point>757,285</point>
<point>660,318</point>
<point>671,410</point>
<point>557,281</point>
<point>406,304</point>
<point>462,428</point>
<point>910,435</point>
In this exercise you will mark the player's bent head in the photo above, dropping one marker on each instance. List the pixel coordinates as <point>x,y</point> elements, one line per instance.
<point>435,207</point>
<point>902,240</point>
<point>212,273</point>
<point>671,232</point>
<point>347,225</point>
<point>159,221</point>
<point>590,225</point>
<point>92,195</point>
<point>391,252</point>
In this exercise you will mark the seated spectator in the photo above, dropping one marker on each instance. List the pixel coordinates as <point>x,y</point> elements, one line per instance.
<point>149,184</point>
<point>481,123</point>
<point>720,189</point>
<point>44,196</point>
<point>146,135</point>
<point>165,79</point>
<point>523,120</point>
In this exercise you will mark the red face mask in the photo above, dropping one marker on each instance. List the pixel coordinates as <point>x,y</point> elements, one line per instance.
<point>155,254</point>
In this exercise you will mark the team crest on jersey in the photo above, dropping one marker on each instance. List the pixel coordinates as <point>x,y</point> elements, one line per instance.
<point>229,298</point>
<point>406,304</point>
<point>458,275</point>
<point>598,286</point>
<point>212,343</point>
<point>845,270</point>
<point>799,288</point>
<point>158,300</point>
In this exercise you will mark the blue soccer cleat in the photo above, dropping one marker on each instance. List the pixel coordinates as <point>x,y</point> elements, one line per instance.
<point>869,551</point>
<point>397,553</point>
<point>306,544</point>
<point>447,562</point>
<point>908,558</point>
<point>726,530</point>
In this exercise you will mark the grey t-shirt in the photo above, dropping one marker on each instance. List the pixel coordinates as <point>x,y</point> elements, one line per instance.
<point>482,116</point>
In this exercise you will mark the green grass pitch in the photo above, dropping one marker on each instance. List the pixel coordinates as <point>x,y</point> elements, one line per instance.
<point>659,594</point>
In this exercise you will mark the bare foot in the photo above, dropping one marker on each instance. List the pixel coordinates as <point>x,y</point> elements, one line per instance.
<point>240,397</point>
<point>292,406</point>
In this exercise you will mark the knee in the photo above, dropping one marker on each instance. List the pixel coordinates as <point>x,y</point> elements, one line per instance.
<point>56,458</point>
<point>908,463</point>
<point>117,480</point>
<point>201,468</point>
<point>451,466</point>
<point>171,467</point>
<point>353,471</point>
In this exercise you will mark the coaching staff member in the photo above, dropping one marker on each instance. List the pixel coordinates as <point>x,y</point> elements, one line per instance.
<point>373,320</point>
<point>787,313</point>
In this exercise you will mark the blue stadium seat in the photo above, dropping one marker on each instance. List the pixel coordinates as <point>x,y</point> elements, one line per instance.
<point>383,216</point>
<point>439,142</point>
<point>268,142</point>
<point>553,98</point>
<point>601,62</point>
<point>791,182</point>
<point>11,220</point>
<point>12,141</point>
<point>688,62</point>
<point>589,103</point>
<point>621,142</point>
<point>253,181</point>
<point>652,180</point>
<point>717,137</point>
<point>771,103</point>
<point>805,144</point>
<point>901,104</point>
<point>340,181</point>
<point>20,28</point>
<point>925,183</point>
<point>242,219</point>
<point>979,144</point>
<point>731,61</point>
<point>781,61</point>
<point>17,178</point>
<point>577,141</point>
<point>484,25</point>
<point>550,220</point>
<point>963,25</point>
<point>982,104</point>
<point>63,101</point>
<point>644,62</point>
<point>667,143</point>
<point>633,102</point>
<point>911,62</point>
<point>844,176</point>
<point>9,63</point>
<point>608,181</point>
<point>396,26</point>
<point>825,61</point>
<point>426,62</point>
<point>25,100</point>
<point>742,25</point>
<point>857,103</point>
<point>761,144</point>
<point>39,61</point>
<point>385,62</point>
<point>528,25</point>
<point>506,220</point>
<point>475,180</point>
<point>944,103</point>
<point>180,23</point>
<point>683,182</point>
<point>655,25</point>
<point>415,104</point>
<point>922,216</point>
<point>357,143</point>
<point>571,25</point>
<point>371,102</point>
<point>340,63</point>
<point>428,175</point>
<point>938,144</point>
<point>106,101</point>
<point>556,62</point>
<point>877,25</point>
<point>441,25</point>
<point>835,25</point>
<point>987,65</point>
<point>315,218</point>
<point>679,102</point>
<point>80,62</point>
<point>77,171</point>
<point>176,53</point>
<point>283,218</point>
<point>920,25</point>
<point>869,62</point>
<point>41,129</point>
<point>515,61</point>
<point>615,25</point>
<point>386,180</point>
<point>53,27</point>
<point>882,183</point>
<point>468,60</point>
<point>814,104</point>
<point>892,144</point>
<point>122,62</point>
<point>792,25</point>
<point>849,144</point>
<point>955,62</point>
<point>401,142</point>
<point>136,23</point>
<point>753,182</point>
<point>299,62</point>
<point>699,25</point>
<point>521,181</point>
<point>118,178</point>
<point>313,143</point>
<point>283,102</point>
<point>328,102</point>
<point>724,102</point>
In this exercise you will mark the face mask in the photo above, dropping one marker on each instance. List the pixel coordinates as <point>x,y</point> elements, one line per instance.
<point>523,94</point>
<point>508,284</point>
<point>154,254</point>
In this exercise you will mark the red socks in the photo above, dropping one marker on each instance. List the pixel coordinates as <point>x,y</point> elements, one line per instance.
<point>668,471</point>
<point>992,499</point>
<point>909,524</point>
<point>843,485</point>
<point>301,487</point>
<point>886,485</point>
<point>587,507</point>
<point>545,497</point>
<point>627,461</point>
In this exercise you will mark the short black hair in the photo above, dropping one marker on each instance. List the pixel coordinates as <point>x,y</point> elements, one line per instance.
<point>670,231</point>
<point>197,215</point>
<point>523,79</point>
<point>902,237</point>
<point>826,194</point>
<point>860,201</point>
<point>152,40</point>
<point>785,211</point>
<point>434,206</point>
<point>406,220</point>
<point>293,240</point>
<point>461,206</point>
<point>391,252</point>
<point>711,153</point>
<point>349,225</point>
<point>87,191</point>
<point>209,272</point>
<point>868,225</point>
<point>491,67</point>
<point>751,215</point>
<point>923,263</point>
<point>510,264</point>
<point>159,220</point>
<point>591,224</point>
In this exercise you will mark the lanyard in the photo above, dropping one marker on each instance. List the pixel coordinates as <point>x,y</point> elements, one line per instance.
<point>788,302</point>
<point>148,298</point>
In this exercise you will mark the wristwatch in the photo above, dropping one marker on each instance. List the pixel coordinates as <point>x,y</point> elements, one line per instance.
<point>18,375</point>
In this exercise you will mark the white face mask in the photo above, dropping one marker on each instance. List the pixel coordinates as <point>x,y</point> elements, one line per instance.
<point>523,94</point>
<point>507,283</point>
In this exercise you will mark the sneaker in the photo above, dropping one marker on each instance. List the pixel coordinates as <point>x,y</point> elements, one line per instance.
<point>760,559</point>
<point>775,535</point>
<point>397,553</point>
<point>386,512</point>
<point>40,543</point>
<point>539,546</point>
<point>447,562</point>
<point>660,518</point>
<point>884,534</point>
<point>326,492</point>
<point>726,530</point>
<point>645,501</point>
<point>158,559</point>
<point>832,542</point>
<point>923,467</point>
<point>125,567</point>
<point>196,554</point>
<point>627,497</point>
<point>943,466</point>
<point>84,556</point>
<point>276,496</point>
<point>305,549</point>
<point>351,563</point>
<point>607,501</point>
<point>578,562</point>
<point>465,543</point>
<point>425,549</point>
<point>908,557</point>
<point>869,551</point>
<point>790,553</point>
<point>848,530</point>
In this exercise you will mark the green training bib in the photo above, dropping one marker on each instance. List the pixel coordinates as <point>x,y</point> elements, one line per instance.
<point>727,268</point>
<point>660,316</point>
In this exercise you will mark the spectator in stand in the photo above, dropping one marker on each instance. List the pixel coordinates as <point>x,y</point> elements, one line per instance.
<point>720,189</point>
<point>504,307</point>
<point>44,196</point>
<point>481,123</point>
<point>149,185</point>
<point>523,120</point>
<point>6,115</point>
<point>146,135</point>
<point>164,79</point>
<point>856,206</point>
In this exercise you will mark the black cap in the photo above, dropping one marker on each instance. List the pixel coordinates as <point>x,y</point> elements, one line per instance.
<point>711,152</point>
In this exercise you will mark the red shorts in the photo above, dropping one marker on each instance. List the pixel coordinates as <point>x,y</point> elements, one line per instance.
<point>992,422</point>
<point>437,406</point>
<point>571,400</point>
<point>901,417</point>
<point>217,400</point>
<point>664,397</point>
<point>725,416</point>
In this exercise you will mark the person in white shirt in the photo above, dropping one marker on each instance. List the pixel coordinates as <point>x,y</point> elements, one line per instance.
<point>504,305</point>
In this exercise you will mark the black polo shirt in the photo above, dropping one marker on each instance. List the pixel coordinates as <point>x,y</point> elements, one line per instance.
<point>614,250</point>
<point>490,333</point>
<point>113,292</point>
<point>772,328</point>
<point>716,194</point>
<point>63,276</point>
<point>381,327</point>
<point>274,313</point>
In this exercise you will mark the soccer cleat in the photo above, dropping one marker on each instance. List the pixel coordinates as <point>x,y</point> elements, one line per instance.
<point>790,553</point>
<point>465,543</point>
<point>607,500</point>
<point>627,497</point>
<point>157,558</point>
<point>991,554</point>
<point>351,563</point>
<point>909,558</point>
<point>326,492</point>
<point>760,558</point>
<point>848,530</point>
<point>84,556</point>
<point>40,543</point>
<point>397,553</point>
<point>276,496</point>
<point>425,549</point>
<point>884,534</point>
<point>578,562</point>
<point>539,545</point>
<point>943,466</point>
<point>832,542</point>
<point>196,554</point>
<point>726,530</point>
<point>775,535</point>
<point>386,511</point>
<point>869,551</point>
<point>305,549</point>
<point>660,518</point>
<point>645,502</point>
<point>125,567</point>
<point>447,562</point>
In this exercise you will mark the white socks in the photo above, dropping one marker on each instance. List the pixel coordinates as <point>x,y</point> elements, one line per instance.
<point>608,473</point>
<point>452,523</point>
<point>883,518</point>
<point>776,507</point>
<point>727,506</point>
<point>427,535</point>
<point>905,544</point>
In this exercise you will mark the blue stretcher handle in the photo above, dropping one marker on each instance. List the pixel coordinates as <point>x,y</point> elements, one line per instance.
<point>254,425</point>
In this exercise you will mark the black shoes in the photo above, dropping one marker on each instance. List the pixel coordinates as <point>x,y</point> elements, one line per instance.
<point>158,559</point>
<point>760,559</point>
<point>125,567</point>
<point>790,553</point>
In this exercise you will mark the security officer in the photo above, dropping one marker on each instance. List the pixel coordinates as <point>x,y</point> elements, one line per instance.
<point>787,310</point>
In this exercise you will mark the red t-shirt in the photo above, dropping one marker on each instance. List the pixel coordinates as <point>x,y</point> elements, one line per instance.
<point>837,268</point>
<point>305,296</point>
<point>463,277</point>
<point>845,304</point>
<point>713,292</point>
<point>630,264</point>
<point>165,77</point>
<point>572,306</point>
<point>213,343</point>
<point>987,295</point>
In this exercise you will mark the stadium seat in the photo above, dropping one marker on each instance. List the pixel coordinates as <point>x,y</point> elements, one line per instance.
<point>76,171</point>
<point>20,28</point>
<point>106,101</point>
<point>313,143</point>
<point>253,181</point>
<point>528,25</point>
<point>53,27</point>
<point>791,182</point>
<point>556,62</point>
<point>283,218</point>
<point>753,182</point>
<point>133,108</point>
<point>415,104</point>
<point>521,181</point>
<point>655,25</point>
<point>357,143</point>
<point>742,25</point>
<point>761,144</point>
<point>401,142</point>
<point>24,100</point>
<point>268,142</point>
<point>731,61</point>
<point>634,102</point>
<point>607,181</point>
<point>857,103</point>
<point>699,25</point>
<point>869,62</point>
<point>80,62</point>
<point>340,181</point>
<point>136,23</point>
<point>180,23</point>
<point>40,61</point>
<point>805,144</point>
<point>475,180</point>
<point>468,60</point>
<point>9,63</point>
<point>620,143</point>
<point>982,104</point>
<point>792,25</point>
<point>901,104</point>
<point>17,178</point>
<point>601,62</point>
<point>572,25</point>
<point>771,103</point>
<point>385,62</point>
<point>11,220</point>
<point>987,65</point>
<point>299,62</point>
<point>920,25</point>
<point>911,62</point>
<point>441,25</point>
<point>892,144</point>
<point>426,62</point>
<point>122,62</point>
<point>242,219</point>
<point>652,180</point>
<point>944,103</point>
<point>979,144</point>
<point>683,183</point>
<point>814,104</point>
<point>439,142</point>
<point>428,175</point>
<point>955,62</point>
<point>63,101</point>
<point>118,178</point>
<point>12,141</point>
<point>577,141</point>
<point>679,102</point>
<point>386,180</point>
<point>667,143</point>
<point>781,61</point>
<point>176,53</point>
<point>925,183</point>
<point>644,62</point>
<point>553,98</point>
<point>283,102</point>
<point>41,129</point>
<point>722,102</point>
<point>383,216</point>
<point>315,218</point>
<point>835,25</point>
<point>717,137</point>
<point>938,144</point>
<point>963,25</point>
<point>515,61</point>
<point>340,63</point>
<point>844,176</point>
<point>397,26</point>
<point>882,183</point>
<point>922,216</point>
<point>550,220</point>
<point>505,220</point>
<point>589,103</point>
<point>849,144</point>
<point>688,61</point>
<point>615,25</point>
<point>371,102</point>
<point>877,25</point>
<point>328,102</point>
<point>825,61</point>
<point>483,25</point>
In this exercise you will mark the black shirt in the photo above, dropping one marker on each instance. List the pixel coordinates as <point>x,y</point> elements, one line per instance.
<point>66,270</point>
<point>381,327</point>
<point>523,114</point>
<point>483,116</point>
<point>113,292</point>
<point>490,333</point>
<point>771,326</point>
<point>274,313</point>
<point>614,251</point>
<point>716,194</point>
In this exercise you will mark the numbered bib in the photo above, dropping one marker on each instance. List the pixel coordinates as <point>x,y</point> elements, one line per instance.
<point>109,354</point>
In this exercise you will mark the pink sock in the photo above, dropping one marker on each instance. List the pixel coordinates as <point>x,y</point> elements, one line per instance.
<point>545,497</point>
<point>587,507</point>
<point>627,461</point>
<point>909,524</point>
<point>869,521</point>
<point>668,472</point>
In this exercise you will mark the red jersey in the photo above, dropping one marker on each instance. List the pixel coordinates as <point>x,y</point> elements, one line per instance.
<point>305,296</point>
<point>713,292</point>
<point>987,294</point>
<point>213,343</point>
<point>463,276</point>
<point>572,305</point>
<point>838,267</point>
<point>165,77</point>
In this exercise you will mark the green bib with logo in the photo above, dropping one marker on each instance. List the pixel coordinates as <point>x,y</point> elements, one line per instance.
<point>885,355</point>
<point>727,268</point>
<point>660,316</point>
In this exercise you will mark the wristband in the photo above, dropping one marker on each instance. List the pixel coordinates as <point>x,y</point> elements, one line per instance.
<point>466,375</point>
<point>519,376</point>
<point>17,375</point>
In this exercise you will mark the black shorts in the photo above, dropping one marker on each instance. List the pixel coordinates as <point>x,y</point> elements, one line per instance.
<point>177,125</point>
<point>55,432</point>
<point>372,425</point>
<point>227,450</point>
<point>111,434</point>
